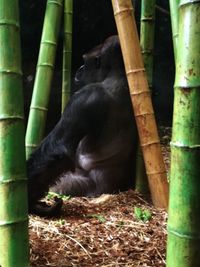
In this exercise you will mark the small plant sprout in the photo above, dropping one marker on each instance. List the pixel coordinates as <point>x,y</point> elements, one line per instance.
<point>142,215</point>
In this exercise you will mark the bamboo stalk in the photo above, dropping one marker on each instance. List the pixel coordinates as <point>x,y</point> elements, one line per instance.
<point>184,205</point>
<point>147,37</point>
<point>147,44</point>
<point>67,52</point>
<point>174,22</point>
<point>14,250</point>
<point>44,74</point>
<point>141,181</point>
<point>141,100</point>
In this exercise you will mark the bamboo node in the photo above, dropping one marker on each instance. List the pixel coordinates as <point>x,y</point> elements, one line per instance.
<point>158,172</point>
<point>144,114</point>
<point>147,51</point>
<point>183,235</point>
<point>55,2</point>
<point>135,71</point>
<point>31,145</point>
<point>137,93</point>
<point>7,71</point>
<point>9,181</point>
<point>148,19</point>
<point>9,22</point>
<point>39,108</point>
<point>181,145</point>
<point>45,65</point>
<point>67,51</point>
<point>188,2</point>
<point>20,220</point>
<point>123,10</point>
<point>10,117</point>
<point>49,42</point>
<point>150,143</point>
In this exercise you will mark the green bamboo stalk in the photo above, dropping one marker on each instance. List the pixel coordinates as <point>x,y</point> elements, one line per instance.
<point>67,52</point>
<point>184,206</point>
<point>147,26</point>
<point>174,22</point>
<point>14,250</point>
<point>141,180</point>
<point>44,74</point>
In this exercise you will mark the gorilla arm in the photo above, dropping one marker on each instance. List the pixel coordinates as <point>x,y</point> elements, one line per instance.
<point>84,115</point>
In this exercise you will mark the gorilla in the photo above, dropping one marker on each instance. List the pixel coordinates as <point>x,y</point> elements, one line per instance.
<point>92,148</point>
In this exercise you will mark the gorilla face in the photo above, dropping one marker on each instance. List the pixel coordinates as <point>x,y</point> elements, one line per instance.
<point>100,62</point>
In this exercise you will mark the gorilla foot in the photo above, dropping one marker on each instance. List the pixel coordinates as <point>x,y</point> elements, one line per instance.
<point>44,210</point>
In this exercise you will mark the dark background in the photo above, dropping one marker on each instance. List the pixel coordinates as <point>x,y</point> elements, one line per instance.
<point>93,22</point>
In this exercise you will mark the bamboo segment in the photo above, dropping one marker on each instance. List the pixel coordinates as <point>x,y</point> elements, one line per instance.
<point>141,100</point>
<point>184,205</point>
<point>174,22</point>
<point>14,250</point>
<point>67,52</point>
<point>44,74</point>
<point>147,44</point>
<point>141,181</point>
<point>147,27</point>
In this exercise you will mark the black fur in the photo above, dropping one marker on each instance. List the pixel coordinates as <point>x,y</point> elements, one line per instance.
<point>91,149</point>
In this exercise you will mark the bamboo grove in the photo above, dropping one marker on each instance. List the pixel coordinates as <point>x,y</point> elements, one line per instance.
<point>183,224</point>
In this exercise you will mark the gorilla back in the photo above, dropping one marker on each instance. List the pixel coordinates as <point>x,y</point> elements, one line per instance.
<point>91,150</point>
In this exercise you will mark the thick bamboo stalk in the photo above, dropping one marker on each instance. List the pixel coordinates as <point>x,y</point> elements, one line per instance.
<point>141,100</point>
<point>14,250</point>
<point>174,22</point>
<point>147,25</point>
<point>67,52</point>
<point>184,205</point>
<point>44,74</point>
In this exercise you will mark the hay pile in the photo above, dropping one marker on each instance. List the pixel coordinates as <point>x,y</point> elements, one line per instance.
<point>104,232</point>
<point>100,232</point>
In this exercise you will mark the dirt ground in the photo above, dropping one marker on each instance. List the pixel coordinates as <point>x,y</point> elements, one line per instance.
<point>109,231</point>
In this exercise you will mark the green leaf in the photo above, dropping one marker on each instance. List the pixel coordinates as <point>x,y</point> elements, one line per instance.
<point>142,215</point>
<point>51,195</point>
<point>62,222</point>
<point>138,213</point>
<point>146,215</point>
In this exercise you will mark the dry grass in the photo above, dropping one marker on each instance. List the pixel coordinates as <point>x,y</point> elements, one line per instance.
<point>102,232</point>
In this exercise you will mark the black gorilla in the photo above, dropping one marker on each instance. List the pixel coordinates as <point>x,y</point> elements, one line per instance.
<point>91,149</point>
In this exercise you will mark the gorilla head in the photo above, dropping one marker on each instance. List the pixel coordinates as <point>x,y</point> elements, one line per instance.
<point>99,63</point>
